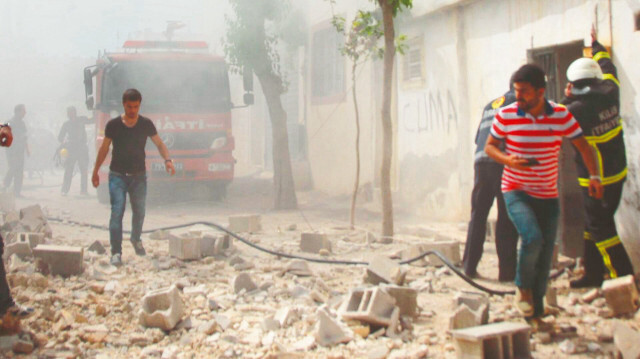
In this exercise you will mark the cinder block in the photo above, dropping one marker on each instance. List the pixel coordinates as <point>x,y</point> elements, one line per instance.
<point>450,249</point>
<point>465,317</point>
<point>185,248</point>
<point>162,308</point>
<point>248,223</point>
<point>476,301</point>
<point>314,242</point>
<point>371,305</point>
<point>21,249</point>
<point>34,239</point>
<point>383,270</point>
<point>621,294</point>
<point>504,340</point>
<point>406,298</point>
<point>329,331</point>
<point>62,260</point>
<point>243,281</point>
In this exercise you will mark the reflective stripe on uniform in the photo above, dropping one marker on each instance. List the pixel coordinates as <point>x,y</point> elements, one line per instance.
<point>601,55</point>
<point>604,137</point>
<point>584,182</point>
<point>602,247</point>
<point>611,77</point>
<point>587,236</point>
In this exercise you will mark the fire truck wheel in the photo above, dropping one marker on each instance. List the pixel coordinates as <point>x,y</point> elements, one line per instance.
<point>103,193</point>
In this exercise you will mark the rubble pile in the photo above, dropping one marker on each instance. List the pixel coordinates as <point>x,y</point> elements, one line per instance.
<point>198,293</point>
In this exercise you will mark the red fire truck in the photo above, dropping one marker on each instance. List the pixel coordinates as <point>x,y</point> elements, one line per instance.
<point>185,91</point>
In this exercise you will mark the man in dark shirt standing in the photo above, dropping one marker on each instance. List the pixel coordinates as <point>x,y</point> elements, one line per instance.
<point>73,136</point>
<point>128,133</point>
<point>15,153</point>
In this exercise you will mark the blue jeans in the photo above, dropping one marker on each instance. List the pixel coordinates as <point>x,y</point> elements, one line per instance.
<point>119,186</point>
<point>536,221</point>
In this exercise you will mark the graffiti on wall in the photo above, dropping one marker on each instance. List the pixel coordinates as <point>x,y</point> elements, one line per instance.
<point>431,111</point>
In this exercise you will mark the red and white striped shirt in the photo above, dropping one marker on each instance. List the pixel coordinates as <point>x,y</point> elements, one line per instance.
<point>539,138</point>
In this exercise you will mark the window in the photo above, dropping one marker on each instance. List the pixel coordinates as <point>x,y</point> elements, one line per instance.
<point>328,63</point>
<point>413,63</point>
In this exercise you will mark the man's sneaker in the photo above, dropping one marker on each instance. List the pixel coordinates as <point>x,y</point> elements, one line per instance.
<point>137,246</point>
<point>20,312</point>
<point>116,260</point>
<point>524,301</point>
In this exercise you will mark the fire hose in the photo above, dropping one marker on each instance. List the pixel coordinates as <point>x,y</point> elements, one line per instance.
<point>436,253</point>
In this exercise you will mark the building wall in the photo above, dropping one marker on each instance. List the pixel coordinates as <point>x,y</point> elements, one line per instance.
<point>496,37</point>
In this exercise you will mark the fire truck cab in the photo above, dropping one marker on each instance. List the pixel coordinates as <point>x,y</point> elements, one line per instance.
<point>185,92</point>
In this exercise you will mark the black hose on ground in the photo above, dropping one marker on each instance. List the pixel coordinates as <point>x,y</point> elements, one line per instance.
<point>444,259</point>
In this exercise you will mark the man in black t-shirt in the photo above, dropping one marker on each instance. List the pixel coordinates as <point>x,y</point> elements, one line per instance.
<point>127,174</point>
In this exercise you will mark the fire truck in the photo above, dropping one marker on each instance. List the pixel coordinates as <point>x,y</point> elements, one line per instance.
<point>185,92</point>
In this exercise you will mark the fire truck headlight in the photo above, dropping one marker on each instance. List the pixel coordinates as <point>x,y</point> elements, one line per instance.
<point>219,143</point>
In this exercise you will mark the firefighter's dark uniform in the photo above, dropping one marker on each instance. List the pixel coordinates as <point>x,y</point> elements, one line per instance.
<point>486,187</point>
<point>596,106</point>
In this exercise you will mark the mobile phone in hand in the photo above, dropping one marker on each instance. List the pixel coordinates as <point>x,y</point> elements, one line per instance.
<point>532,162</point>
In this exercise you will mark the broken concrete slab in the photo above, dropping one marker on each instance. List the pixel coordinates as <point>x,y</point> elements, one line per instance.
<point>320,292</point>
<point>21,249</point>
<point>370,305</point>
<point>621,294</point>
<point>299,268</point>
<point>162,308</point>
<point>285,316</point>
<point>97,247</point>
<point>406,298</point>
<point>383,270</point>
<point>626,340</point>
<point>465,317</point>
<point>245,223</point>
<point>314,242</point>
<point>185,248</point>
<point>62,260</point>
<point>243,281</point>
<point>449,248</point>
<point>329,332</point>
<point>499,340</point>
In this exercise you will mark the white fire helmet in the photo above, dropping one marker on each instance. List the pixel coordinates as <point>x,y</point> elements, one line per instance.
<point>584,68</point>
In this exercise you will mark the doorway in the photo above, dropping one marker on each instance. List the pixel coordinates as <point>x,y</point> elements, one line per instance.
<point>554,61</point>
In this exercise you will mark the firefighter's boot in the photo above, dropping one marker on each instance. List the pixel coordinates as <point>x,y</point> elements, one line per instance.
<point>593,267</point>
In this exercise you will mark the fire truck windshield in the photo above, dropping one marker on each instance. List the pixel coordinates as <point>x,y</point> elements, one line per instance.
<point>169,86</point>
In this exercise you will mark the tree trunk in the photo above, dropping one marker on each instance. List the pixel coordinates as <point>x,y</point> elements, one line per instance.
<point>387,129</point>
<point>357,182</point>
<point>284,193</point>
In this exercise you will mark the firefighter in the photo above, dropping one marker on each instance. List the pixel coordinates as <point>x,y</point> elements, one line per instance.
<point>593,97</point>
<point>74,149</point>
<point>486,187</point>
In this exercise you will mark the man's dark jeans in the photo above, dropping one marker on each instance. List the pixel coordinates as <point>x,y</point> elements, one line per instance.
<point>6,300</point>
<point>119,186</point>
<point>537,222</point>
<point>486,188</point>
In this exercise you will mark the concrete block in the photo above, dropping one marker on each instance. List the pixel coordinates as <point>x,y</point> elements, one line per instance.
<point>476,301</point>
<point>247,223</point>
<point>208,245</point>
<point>34,239</point>
<point>329,331</point>
<point>21,249</point>
<point>450,249</point>
<point>162,308</point>
<point>626,340</point>
<point>504,340</point>
<point>406,298</point>
<point>371,305</point>
<point>465,317</point>
<point>185,248</point>
<point>62,260</point>
<point>223,244</point>
<point>621,294</point>
<point>314,242</point>
<point>97,247</point>
<point>243,281</point>
<point>383,270</point>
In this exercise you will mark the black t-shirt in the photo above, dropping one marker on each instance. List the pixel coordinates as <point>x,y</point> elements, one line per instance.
<point>128,144</point>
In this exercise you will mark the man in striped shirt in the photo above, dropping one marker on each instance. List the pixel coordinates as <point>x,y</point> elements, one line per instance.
<point>533,129</point>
